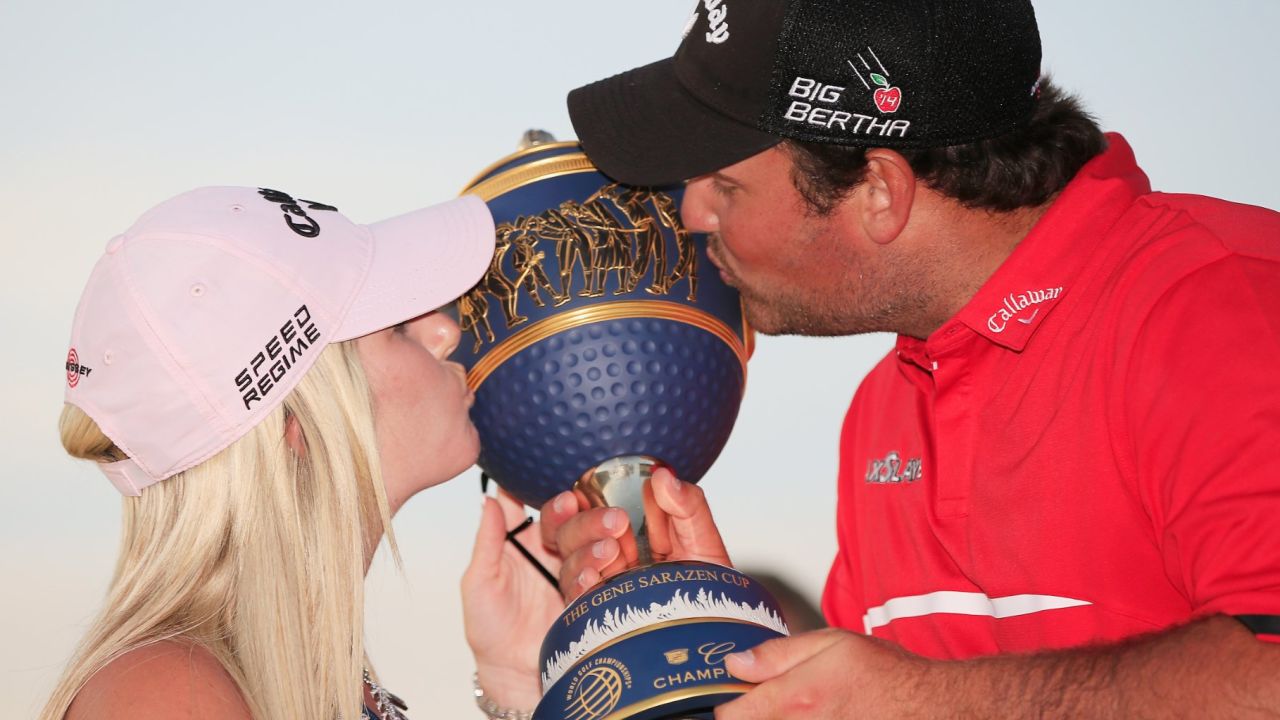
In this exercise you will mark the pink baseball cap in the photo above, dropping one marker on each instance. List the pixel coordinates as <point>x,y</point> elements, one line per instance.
<point>200,318</point>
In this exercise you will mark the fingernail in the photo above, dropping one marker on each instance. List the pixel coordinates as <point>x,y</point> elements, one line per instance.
<point>561,504</point>
<point>746,657</point>
<point>613,520</point>
<point>674,483</point>
<point>598,549</point>
<point>584,578</point>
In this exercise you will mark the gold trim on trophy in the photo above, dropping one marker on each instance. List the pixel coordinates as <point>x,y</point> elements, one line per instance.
<point>535,148</point>
<point>675,696</point>
<point>538,170</point>
<point>590,238</point>
<point>627,309</point>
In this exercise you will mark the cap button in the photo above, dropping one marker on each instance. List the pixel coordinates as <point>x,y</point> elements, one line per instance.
<point>114,244</point>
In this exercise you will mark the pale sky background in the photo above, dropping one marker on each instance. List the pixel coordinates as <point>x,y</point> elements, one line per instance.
<point>108,108</point>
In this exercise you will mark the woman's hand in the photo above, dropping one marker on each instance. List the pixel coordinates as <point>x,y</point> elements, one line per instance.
<point>507,605</point>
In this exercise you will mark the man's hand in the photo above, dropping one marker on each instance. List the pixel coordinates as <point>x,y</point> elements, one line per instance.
<point>831,674</point>
<point>595,543</point>
<point>1212,668</point>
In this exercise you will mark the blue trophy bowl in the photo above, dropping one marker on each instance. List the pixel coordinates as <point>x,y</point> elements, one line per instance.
<point>598,331</point>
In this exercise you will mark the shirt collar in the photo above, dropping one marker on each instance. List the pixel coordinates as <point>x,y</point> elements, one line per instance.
<point>1042,269</point>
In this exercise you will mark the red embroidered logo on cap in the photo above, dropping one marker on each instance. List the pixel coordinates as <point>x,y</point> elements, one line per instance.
<point>887,97</point>
<point>74,369</point>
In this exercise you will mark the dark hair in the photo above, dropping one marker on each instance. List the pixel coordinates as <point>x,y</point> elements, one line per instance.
<point>1021,168</point>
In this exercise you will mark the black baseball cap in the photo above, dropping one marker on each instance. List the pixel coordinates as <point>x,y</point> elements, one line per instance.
<point>873,73</point>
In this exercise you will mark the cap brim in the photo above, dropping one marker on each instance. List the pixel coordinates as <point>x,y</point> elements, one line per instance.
<point>644,128</point>
<point>421,261</point>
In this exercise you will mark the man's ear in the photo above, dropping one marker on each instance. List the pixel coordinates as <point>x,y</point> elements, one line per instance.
<point>293,435</point>
<point>885,196</point>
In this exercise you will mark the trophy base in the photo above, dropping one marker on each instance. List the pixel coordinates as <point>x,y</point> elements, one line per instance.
<point>650,643</point>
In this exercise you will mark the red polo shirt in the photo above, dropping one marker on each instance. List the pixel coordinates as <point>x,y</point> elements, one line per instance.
<point>1090,449</point>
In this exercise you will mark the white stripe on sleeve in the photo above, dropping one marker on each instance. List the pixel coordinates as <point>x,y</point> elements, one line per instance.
<point>963,603</point>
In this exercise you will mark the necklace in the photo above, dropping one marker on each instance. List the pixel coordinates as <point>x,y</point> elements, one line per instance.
<point>387,705</point>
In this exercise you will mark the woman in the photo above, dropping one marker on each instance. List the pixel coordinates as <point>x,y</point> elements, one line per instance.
<point>267,383</point>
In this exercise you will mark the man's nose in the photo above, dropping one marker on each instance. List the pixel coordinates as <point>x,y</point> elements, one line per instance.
<point>696,210</point>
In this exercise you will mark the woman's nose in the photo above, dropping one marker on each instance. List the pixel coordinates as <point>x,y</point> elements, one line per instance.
<point>696,209</point>
<point>438,333</point>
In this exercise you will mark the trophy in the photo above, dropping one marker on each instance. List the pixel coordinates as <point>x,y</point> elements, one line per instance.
<point>598,348</point>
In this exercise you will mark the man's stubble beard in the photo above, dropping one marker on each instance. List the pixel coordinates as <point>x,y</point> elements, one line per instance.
<point>883,294</point>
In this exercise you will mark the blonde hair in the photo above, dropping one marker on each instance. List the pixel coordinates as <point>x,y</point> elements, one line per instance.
<point>257,555</point>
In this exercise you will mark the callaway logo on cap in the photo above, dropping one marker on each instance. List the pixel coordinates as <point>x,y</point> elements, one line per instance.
<point>874,73</point>
<point>201,318</point>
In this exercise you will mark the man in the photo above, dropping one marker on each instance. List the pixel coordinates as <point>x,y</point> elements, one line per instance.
<point>1059,493</point>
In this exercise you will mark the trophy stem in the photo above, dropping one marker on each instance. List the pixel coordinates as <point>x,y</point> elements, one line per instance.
<point>619,482</point>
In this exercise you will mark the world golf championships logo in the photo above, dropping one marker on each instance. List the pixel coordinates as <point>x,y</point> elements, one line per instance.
<point>597,689</point>
<point>596,332</point>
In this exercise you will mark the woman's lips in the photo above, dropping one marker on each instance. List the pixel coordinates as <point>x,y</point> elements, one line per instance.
<point>462,378</point>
